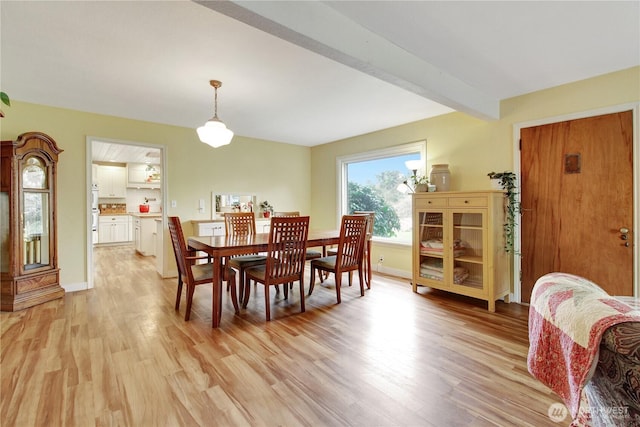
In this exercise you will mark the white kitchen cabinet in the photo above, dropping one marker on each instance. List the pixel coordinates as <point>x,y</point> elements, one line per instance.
<point>214,228</point>
<point>114,229</point>
<point>144,235</point>
<point>262,225</point>
<point>159,246</point>
<point>141,175</point>
<point>112,181</point>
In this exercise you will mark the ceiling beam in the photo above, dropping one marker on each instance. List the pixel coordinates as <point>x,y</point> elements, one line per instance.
<point>317,27</point>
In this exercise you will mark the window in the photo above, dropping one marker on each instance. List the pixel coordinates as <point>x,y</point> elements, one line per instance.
<point>369,182</point>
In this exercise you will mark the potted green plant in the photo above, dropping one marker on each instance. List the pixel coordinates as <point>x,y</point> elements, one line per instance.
<point>507,181</point>
<point>5,100</point>
<point>267,209</point>
<point>420,183</point>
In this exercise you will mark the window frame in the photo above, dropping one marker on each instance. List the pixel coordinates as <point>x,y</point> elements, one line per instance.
<point>342,163</point>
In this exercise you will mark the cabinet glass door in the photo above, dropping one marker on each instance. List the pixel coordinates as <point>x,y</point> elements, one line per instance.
<point>4,232</point>
<point>431,245</point>
<point>468,249</point>
<point>35,220</point>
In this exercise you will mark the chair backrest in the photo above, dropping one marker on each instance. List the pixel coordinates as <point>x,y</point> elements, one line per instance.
<point>372,217</point>
<point>179,247</point>
<point>353,230</point>
<point>238,224</point>
<point>290,213</point>
<point>287,248</point>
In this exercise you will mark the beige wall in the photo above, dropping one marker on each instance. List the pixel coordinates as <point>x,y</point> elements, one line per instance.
<point>471,147</point>
<point>292,177</point>
<point>277,172</point>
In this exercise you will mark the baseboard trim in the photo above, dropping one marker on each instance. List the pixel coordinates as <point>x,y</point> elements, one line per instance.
<point>75,287</point>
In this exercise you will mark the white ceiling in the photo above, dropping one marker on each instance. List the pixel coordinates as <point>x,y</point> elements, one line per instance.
<point>103,151</point>
<point>305,72</point>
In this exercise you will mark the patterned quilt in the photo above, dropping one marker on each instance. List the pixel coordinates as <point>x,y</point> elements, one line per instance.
<point>567,317</point>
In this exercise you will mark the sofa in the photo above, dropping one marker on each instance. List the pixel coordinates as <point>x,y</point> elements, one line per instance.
<point>614,390</point>
<point>585,346</point>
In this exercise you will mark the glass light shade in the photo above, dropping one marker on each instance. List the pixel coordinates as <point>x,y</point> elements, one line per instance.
<point>215,133</point>
<point>413,165</point>
<point>404,188</point>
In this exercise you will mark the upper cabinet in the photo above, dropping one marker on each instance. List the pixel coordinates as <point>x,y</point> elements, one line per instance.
<point>112,181</point>
<point>141,175</point>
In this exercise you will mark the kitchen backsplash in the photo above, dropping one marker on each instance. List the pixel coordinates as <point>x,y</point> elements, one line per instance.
<point>135,198</point>
<point>112,208</point>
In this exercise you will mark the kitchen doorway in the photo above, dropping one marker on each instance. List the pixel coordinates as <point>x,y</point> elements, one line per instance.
<point>121,176</point>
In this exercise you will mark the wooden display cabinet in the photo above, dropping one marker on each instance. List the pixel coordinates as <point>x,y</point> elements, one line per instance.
<point>29,270</point>
<point>458,244</point>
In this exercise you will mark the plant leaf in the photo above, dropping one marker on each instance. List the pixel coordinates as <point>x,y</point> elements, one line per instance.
<point>5,99</point>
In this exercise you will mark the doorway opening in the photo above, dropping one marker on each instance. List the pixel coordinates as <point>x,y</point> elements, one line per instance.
<point>126,183</point>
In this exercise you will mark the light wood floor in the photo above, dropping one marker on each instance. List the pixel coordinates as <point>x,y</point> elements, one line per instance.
<point>120,355</point>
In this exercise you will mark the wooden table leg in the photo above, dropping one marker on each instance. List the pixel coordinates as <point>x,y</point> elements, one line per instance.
<point>217,292</point>
<point>368,272</point>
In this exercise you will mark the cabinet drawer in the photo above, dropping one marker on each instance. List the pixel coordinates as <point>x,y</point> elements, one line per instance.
<point>210,229</point>
<point>430,203</point>
<point>37,282</point>
<point>113,219</point>
<point>464,202</point>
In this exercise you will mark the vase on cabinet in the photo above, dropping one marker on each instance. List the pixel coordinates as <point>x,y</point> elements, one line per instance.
<point>421,188</point>
<point>440,177</point>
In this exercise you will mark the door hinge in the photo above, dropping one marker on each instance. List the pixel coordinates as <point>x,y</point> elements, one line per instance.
<point>520,145</point>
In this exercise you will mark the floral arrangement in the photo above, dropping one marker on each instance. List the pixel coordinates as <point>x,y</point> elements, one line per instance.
<point>266,207</point>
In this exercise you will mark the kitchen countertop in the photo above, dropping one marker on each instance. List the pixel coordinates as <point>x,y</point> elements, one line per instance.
<point>206,221</point>
<point>146,215</point>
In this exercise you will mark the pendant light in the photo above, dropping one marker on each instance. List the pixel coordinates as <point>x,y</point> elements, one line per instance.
<point>214,132</point>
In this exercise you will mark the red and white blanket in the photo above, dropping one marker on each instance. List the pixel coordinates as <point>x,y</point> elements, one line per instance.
<point>567,317</point>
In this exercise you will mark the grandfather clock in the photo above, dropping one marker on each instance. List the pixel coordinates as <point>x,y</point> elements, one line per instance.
<point>29,270</point>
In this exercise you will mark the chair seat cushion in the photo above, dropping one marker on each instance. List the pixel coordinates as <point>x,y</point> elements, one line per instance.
<point>205,272</point>
<point>245,261</point>
<point>325,262</point>
<point>258,271</point>
<point>332,251</point>
<point>202,271</point>
<point>311,254</point>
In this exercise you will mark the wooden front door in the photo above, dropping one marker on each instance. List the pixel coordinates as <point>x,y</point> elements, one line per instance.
<point>577,194</point>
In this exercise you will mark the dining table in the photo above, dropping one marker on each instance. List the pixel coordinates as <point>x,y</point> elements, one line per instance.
<point>220,247</point>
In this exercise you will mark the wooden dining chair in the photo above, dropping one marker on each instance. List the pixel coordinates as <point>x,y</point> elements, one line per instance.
<point>285,259</point>
<point>366,253</point>
<point>239,225</point>
<point>311,253</point>
<point>348,258</point>
<point>191,273</point>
